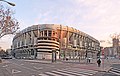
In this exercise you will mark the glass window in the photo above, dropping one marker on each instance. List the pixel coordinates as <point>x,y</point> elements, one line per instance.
<point>45,33</point>
<point>53,33</point>
<point>49,33</point>
<point>45,38</point>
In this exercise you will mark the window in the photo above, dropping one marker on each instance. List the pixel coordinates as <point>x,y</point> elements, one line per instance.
<point>49,33</point>
<point>53,33</point>
<point>45,33</point>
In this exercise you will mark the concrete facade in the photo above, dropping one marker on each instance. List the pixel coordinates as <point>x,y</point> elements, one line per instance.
<point>43,40</point>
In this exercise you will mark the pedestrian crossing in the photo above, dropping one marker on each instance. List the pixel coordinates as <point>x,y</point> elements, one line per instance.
<point>115,71</point>
<point>69,72</point>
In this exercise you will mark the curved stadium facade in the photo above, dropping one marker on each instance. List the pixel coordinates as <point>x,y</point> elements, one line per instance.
<point>46,40</point>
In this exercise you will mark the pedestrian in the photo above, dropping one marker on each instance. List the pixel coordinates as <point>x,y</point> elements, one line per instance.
<point>99,62</point>
<point>89,59</point>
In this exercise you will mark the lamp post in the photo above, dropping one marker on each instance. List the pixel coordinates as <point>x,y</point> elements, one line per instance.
<point>12,4</point>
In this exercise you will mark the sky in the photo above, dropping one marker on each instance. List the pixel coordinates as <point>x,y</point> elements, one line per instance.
<point>98,18</point>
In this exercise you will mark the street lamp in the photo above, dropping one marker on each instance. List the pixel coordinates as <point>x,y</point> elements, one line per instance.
<point>12,4</point>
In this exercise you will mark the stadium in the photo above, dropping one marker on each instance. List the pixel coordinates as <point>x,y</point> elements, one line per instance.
<point>47,41</point>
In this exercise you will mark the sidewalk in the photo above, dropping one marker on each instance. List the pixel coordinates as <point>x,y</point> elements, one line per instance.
<point>39,61</point>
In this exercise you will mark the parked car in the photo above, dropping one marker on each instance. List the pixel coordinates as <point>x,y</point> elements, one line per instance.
<point>7,57</point>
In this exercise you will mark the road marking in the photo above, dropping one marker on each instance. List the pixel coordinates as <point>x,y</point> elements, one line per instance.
<point>53,74</point>
<point>116,69</point>
<point>62,73</point>
<point>5,66</point>
<point>72,72</point>
<point>21,64</point>
<point>38,67</point>
<point>15,71</point>
<point>83,70</point>
<point>114,72</point>
<point>88,72</point>
<point>50,65</point>
<point>32,63</point>
<point>24,67</point>
<point>43,75</point>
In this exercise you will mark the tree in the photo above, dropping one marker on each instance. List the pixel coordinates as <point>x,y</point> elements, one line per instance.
<point>2,53</point>
<point>8,24</point>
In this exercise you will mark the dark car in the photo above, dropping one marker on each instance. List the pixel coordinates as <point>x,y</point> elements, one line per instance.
<point>7,57</point>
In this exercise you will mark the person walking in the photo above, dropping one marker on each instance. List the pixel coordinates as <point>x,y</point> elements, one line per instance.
<point>89,60</point>
<point>99,62</point>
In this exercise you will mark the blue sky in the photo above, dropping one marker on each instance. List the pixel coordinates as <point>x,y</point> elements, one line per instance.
<point>98,18</point>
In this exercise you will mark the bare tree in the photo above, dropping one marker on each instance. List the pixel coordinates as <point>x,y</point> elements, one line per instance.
<point>8,24</point>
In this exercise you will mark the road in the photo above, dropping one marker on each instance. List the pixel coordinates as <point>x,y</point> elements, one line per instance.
<point>113,71</point>
<point>21,67</point>
<point>14,67</point>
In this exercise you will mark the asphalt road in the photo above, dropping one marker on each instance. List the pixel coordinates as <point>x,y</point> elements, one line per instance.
<point>14,67</point>
<point>114,71</point>
<point>17,68</point>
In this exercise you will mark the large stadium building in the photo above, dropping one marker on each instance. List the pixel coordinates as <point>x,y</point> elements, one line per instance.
<point>47,41</point>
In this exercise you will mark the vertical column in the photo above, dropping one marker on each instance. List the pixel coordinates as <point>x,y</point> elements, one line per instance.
<point>47,32</point>
<point>67,38</point>
<point>27,42</point>
<point>20,40</point>
<point>43,33</point>
<point>25,39</point>
<point>38,32</point>
<point>79,49</point>
<point>72,44</point>
<point>81,46</point>
<point>86,46</point>
<point>32,36</point>
<point>83,43</point>
<point>17,44</point>
<point>68,41</point>
<point>60,41</point>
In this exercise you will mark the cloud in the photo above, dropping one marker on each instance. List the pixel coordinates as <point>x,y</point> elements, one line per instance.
<point>98,18</point>
<point>6,41</point>
<point>103,14</point>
